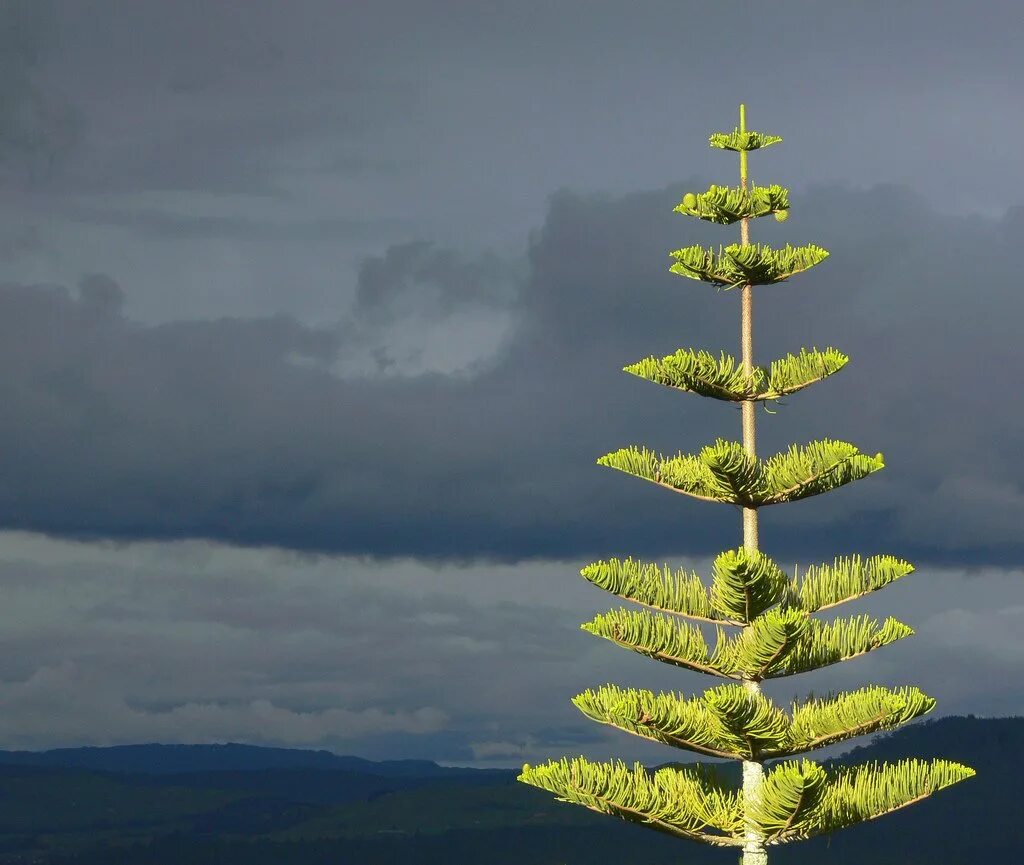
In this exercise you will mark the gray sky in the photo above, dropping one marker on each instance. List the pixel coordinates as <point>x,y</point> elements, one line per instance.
<point>312,321</point>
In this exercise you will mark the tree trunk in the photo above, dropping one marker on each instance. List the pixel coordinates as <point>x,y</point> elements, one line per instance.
<point>754,852</point>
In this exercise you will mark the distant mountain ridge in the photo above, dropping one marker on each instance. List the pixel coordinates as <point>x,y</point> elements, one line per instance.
<point>248,805</point>
<point>174,759</point>
<point>157,759</point>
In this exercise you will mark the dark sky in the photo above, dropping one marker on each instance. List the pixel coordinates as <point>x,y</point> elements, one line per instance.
<point>312,322</point>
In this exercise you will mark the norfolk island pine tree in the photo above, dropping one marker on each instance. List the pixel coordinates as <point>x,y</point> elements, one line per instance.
<point>778,634</point>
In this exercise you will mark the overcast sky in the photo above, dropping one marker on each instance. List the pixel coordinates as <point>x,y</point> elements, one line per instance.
<point>312,324</point>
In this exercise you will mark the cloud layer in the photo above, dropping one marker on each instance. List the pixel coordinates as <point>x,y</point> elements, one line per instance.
<point>312,329</point>
<point>252,431</point>
<point>201,642</point>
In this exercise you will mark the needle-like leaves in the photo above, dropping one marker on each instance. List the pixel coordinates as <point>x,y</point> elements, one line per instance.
<point>658,636</point>
<point>654,586</point>
<point>753,264</point>
<point>725,472</point>
<point>682,473</point>
<point>849,577</point>
<point>815,468</point>
<point>740,141</point>
<point>699,372</point>
<point>726,205</point>
<point>762,650</point>
<point>668,718</point>
<point>731,722</point>
<point>797,800</point>
<point>800,800</point>
<point>829,643</point>
<point>687,803</point>
<point>817,723</point>
<point>745,583</point>
<point>779,634</point>
<point>788,797</point>
<point>780,642</point>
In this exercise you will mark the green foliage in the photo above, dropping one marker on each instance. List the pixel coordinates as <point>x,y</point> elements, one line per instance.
<point>657,636</point>
<point>817,723</point>
<point>779,634</point>
<point>849,577</point>
<point>699,372</point>
<point>730,721</point>
<point>701,725</point>
<point>726,205</point>
<point>839,640</point>
<point>654,586</point>
<point>742,141</point>
<point>688,803</point>
<point>817,467</point>
<point>753,264</point>
<point>779,642</point>
<point>802,800</point>
<point>745,583</point>
<point>790,791</point>
<point>798,799</point>
<point>725,472</point>
<point>750,721</point>
<point>762,649</point>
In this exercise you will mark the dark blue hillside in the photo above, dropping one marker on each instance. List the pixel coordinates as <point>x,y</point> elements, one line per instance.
<point>163,814</point>
<point>172,759</point>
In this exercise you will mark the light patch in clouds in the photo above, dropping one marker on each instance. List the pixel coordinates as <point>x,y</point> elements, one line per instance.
<point>461,343</point>
<point>411,425</point>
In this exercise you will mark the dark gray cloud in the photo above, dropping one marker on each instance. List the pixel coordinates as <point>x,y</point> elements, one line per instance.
<point>213,429</point>
<point>296,277</point>
<point>196,118</point>
<point>39,125</point>
<point>152,223</point>
<point>391,285</point>
<point>208,100</point>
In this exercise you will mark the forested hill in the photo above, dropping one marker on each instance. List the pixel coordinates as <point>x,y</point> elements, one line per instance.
<point>174,759</point>
<point>152,804</point>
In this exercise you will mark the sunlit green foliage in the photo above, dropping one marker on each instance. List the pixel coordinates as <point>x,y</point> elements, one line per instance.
<point>724,472</point>
<point>699,372</point>
<point>779,634</point>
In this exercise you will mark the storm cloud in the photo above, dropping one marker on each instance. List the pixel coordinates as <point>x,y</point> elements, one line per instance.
<point>249,430</point>
<point>312,327</point>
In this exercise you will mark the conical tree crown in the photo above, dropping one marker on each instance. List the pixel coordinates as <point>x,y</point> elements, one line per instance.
<point>764,620</point>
